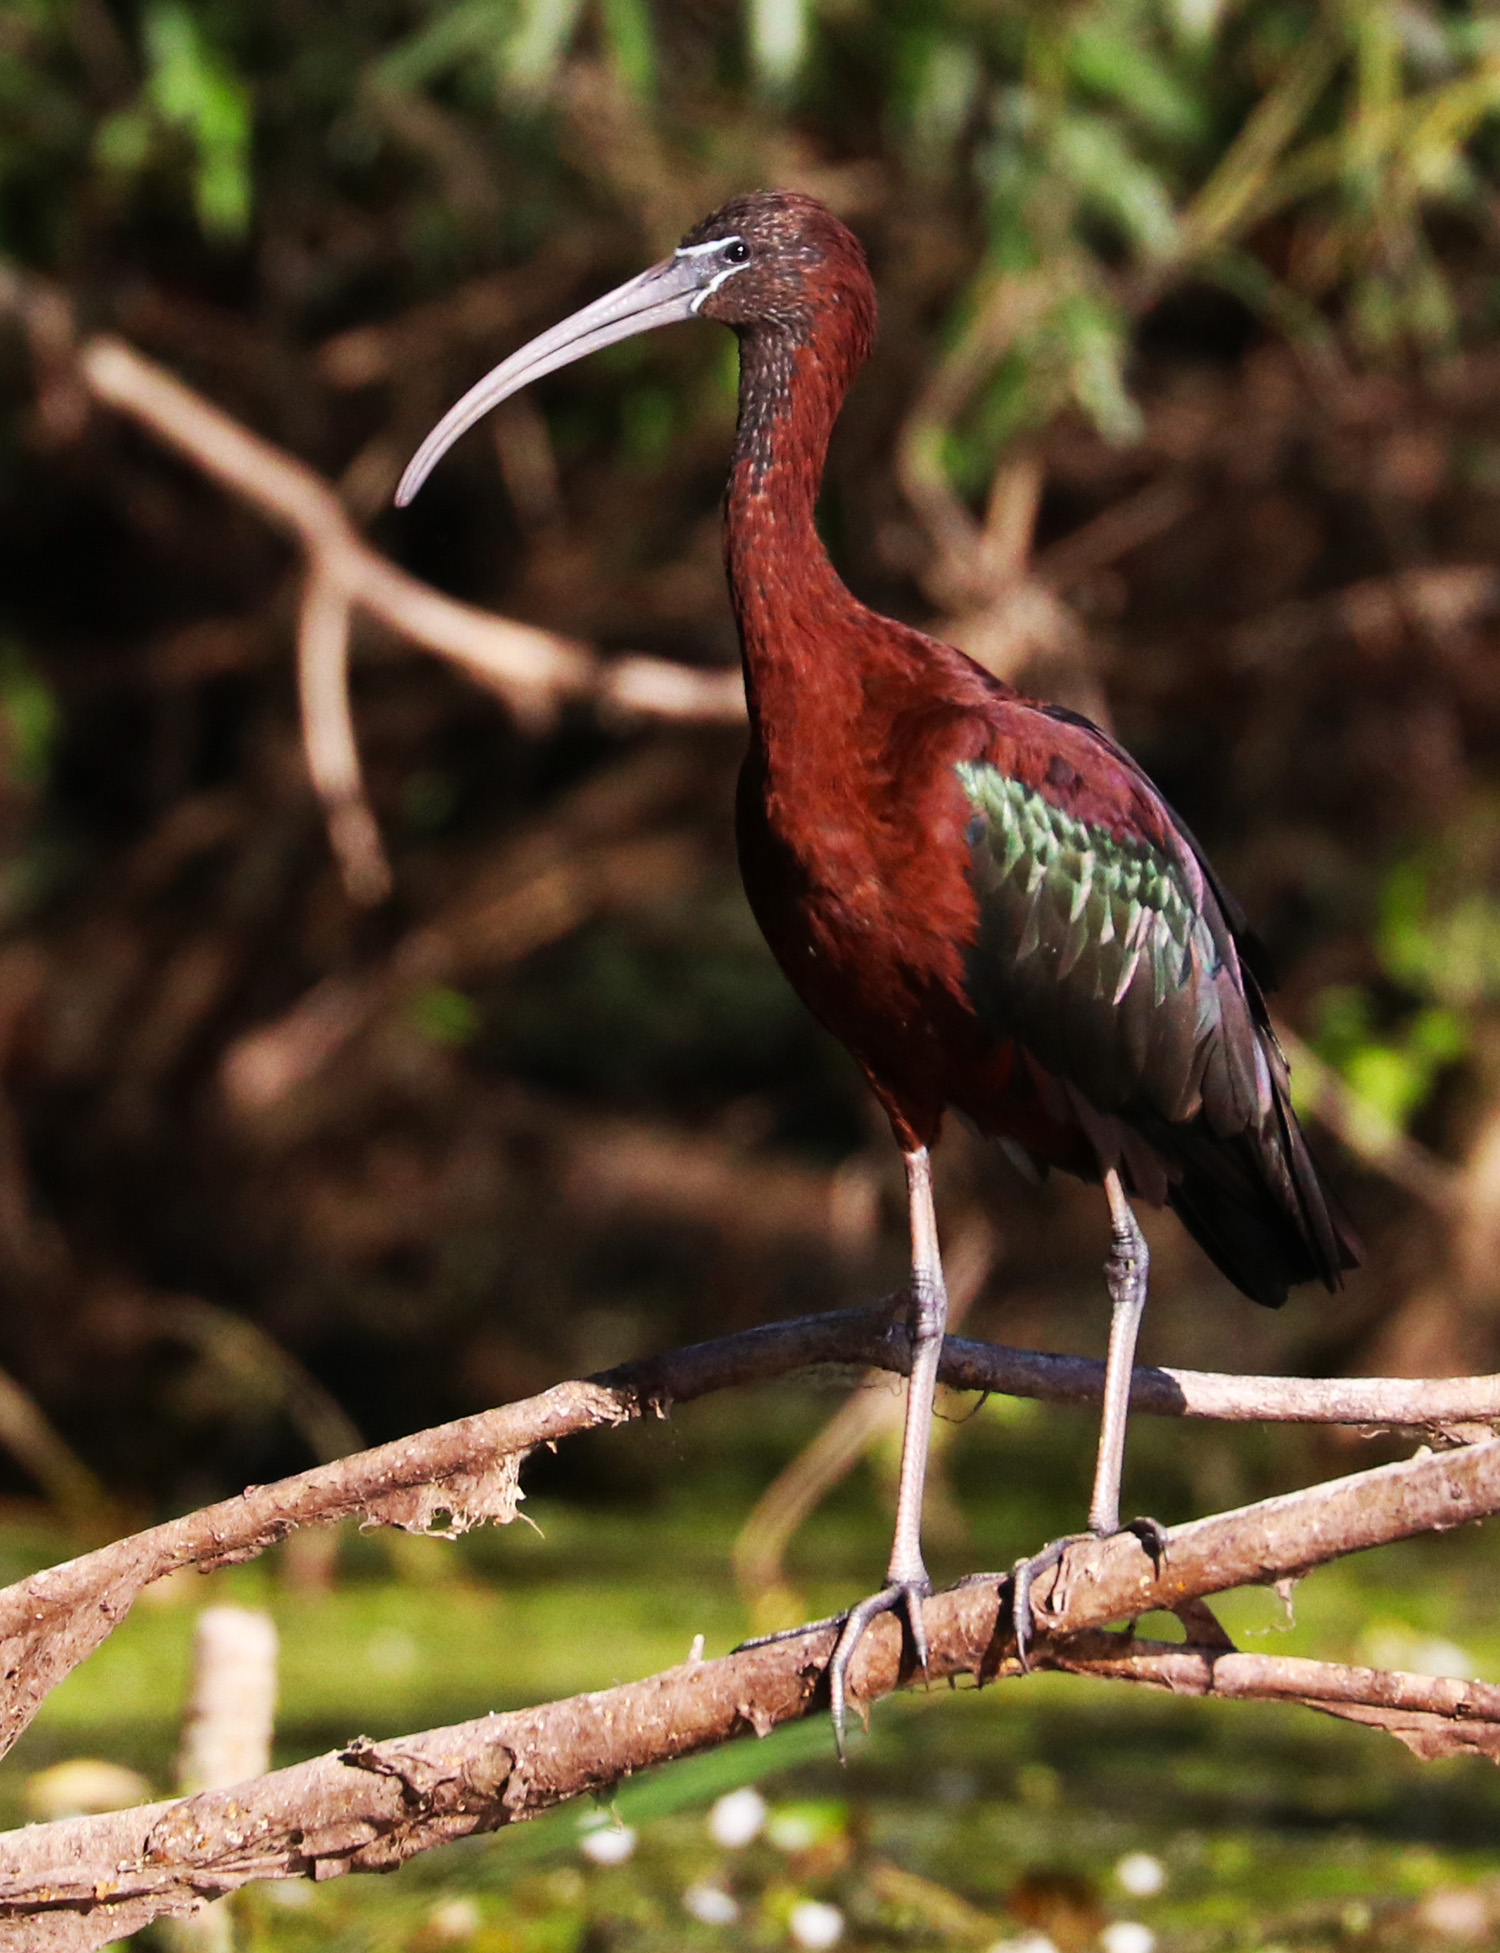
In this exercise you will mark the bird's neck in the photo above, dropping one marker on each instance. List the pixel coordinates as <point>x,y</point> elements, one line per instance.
<point>800,627</point>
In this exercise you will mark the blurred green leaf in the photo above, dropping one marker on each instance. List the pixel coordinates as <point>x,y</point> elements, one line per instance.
<point>1097,161</point>
<point>1097,344</point>
<point>530,57</point>
<point>944,78</point>
<point>476,29</point>
<point>192,87</point>
<point>1392,1070</point>
<point>1108,59</point>
<point>123,143</point>
<point>631,40</point>
<point>445,1015</point>
<point>30,715</point>
<point>1448,950</point>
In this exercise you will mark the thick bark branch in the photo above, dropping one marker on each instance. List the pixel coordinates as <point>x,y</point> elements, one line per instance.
<point>468,1469</point>
<point>74,1885</point>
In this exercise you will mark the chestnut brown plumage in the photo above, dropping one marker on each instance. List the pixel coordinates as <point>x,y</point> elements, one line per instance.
<point>982,896</point>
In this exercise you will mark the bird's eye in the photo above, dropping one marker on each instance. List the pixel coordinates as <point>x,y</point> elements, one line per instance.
<point>737,251</point>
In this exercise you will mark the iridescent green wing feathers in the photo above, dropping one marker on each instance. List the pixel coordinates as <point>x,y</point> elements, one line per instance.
<point>1110,953</point>
<point>1107,955</point>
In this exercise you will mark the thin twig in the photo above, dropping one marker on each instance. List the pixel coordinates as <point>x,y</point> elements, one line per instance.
<point>1433,1715</point>
<point>40,1449</point>
<point>328,736</point>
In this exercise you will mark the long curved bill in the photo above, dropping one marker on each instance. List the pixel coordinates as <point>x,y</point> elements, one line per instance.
<point>669,291</point>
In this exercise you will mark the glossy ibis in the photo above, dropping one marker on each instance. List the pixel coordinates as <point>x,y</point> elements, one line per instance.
<point>982,896</point>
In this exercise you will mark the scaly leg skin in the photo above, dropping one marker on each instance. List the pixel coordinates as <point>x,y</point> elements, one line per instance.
<point>1126,1273</point>
<point>906,1582</point>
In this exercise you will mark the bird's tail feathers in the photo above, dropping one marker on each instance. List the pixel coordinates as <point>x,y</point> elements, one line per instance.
<point>1258,1208</point>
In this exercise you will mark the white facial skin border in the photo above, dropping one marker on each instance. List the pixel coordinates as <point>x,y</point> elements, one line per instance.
<point>702,251</point>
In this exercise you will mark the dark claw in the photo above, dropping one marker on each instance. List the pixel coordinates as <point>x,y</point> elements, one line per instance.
<point>1153,1536</point>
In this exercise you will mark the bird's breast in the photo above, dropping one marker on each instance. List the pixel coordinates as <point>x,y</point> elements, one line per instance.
<point>867,908</point>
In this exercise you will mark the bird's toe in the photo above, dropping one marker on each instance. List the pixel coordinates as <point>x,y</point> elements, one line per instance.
<point>1024,1576</point>
<point>903,1597</point>
<point>788,1633</point>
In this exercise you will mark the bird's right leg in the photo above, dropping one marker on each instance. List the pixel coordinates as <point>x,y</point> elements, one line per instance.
<point>906,1582</point>
<point>1126,1273</point>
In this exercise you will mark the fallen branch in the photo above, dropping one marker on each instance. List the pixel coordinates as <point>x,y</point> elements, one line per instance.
<point>75,1885</point>
<point>467,1471</point>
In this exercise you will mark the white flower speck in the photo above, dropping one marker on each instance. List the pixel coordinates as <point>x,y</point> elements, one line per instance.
<point>613,1844</point>
<point>453,1919</point>
<point>292,1894</point>
<point>1141,1875</point>
<point>814,1925</point>
<point>736,1818</point>
<point>710,1905</point>
<point>1127,1936</point>
<point>1455,1912</point>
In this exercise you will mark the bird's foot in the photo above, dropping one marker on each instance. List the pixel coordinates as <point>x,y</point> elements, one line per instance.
<point>1024,1575</point>
<point>903,1597</point>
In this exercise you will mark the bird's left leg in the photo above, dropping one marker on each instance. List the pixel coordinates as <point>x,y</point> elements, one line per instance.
<point>1126,1273</point>
<point>906,1582</point>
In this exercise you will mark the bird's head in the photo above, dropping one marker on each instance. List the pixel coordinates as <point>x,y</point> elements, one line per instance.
<point>775,261</point>
<point>779,260</point>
